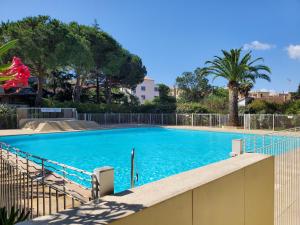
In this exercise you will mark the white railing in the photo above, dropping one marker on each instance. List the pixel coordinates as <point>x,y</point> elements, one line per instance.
<point>270,121</point>
<point>247,121</point>
<point>284,145</point>
<point>257,143</point>
<point>176,119</point>
<point>41,186</point>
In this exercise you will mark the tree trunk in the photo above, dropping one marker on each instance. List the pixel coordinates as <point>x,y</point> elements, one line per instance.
<point>39,94</point>
<point>77,90</point>
<point>108,91</point>
<point>233,105</point>
<point>97,89</point>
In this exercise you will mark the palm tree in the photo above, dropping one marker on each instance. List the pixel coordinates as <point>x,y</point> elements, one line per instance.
<point>245,88</point>
<point>237,69</point>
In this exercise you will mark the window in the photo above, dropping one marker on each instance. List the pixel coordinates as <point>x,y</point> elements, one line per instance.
<point>143,97</point>
<point>143,88</point>
<point>156,89</point>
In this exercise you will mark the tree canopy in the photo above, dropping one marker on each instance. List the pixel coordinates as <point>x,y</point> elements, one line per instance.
<point>48,45</point>
<point>194,86</point>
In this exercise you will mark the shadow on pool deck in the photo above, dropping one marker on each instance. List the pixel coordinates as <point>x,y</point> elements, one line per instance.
<point>101,213</point>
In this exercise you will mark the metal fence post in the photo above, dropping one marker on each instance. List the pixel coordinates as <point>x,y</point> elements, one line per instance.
<point>150,118</point>
<point>64,186</point>
<point>176,119</point>
<point>162,119</point>
<point>132,169</point>
<point>43,187</point>
<point>192,119</point>
<point>119,118</point>
<point>249,121</point>
<point>273,122</point>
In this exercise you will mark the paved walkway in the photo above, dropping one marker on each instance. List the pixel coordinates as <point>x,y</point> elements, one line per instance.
<point>29,131</point>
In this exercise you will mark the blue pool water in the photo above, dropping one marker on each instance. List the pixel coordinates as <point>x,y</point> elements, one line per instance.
<point>160,152</point>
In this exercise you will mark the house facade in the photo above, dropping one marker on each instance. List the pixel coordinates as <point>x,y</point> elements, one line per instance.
<point>18,96</point>
<point>176,92</point>
<point>271,96</point>
<point>147,90</point>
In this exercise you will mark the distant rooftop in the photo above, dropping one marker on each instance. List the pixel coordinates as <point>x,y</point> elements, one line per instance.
<point>148,78</point>
<point>272,92</point>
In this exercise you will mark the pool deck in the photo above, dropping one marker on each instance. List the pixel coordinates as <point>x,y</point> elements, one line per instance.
<point>114,207</point>
<point>11,132</point>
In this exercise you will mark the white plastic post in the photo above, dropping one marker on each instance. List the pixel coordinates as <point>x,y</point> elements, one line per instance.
<point>237,147</point>
<point>105,176</point>
<point>273,122</point>
<point>249,121</point>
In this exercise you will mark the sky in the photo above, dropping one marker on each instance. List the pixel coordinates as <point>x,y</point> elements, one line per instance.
<point>177,36</point>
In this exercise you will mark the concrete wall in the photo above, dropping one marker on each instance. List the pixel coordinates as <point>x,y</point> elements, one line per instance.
<point>243,197</point>
<point>236,191</point>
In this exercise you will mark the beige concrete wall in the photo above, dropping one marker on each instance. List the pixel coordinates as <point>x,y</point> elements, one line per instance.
<point>177,210</point>
<point>259,193</point>
<point>243,197</point>
<point>236,191</point>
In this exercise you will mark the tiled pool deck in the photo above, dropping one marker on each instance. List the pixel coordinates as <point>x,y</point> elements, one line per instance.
<point>27,131</point>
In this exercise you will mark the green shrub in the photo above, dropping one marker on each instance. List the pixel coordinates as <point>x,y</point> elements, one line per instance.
<point>293,107</point>
<point>7,110</point>
<point>148,107</point>
<point>216,104</point>
<point>12,217</point>
<point>264,107</point>
<point>191,108</point>
<point>90,107</point>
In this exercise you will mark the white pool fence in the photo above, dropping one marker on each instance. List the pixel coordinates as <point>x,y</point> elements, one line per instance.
<point>285,147</point>
<point>247,121</point>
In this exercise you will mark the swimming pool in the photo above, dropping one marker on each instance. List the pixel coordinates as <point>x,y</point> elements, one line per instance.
<point>160,152</point>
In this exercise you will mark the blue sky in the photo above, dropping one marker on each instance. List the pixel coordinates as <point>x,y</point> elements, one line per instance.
<point>179,35</point>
